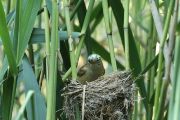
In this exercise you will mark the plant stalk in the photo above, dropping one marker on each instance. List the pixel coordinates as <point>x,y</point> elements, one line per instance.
<point>51,98</point>
<point>109,33</point>
<point>126,35</point>
<point>70,40</point>
<point>81,41</point>
<point>160,59</point>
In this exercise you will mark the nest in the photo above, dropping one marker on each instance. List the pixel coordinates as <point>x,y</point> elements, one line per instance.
<point>109,97</point>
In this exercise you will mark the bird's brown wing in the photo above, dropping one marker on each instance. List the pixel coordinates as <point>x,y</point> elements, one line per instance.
<point>82,70</point>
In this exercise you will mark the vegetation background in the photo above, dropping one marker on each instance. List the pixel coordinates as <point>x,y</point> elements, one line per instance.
<point>41,42</point>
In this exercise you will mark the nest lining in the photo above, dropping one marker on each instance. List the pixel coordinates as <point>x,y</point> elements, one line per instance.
<point>109,97</point>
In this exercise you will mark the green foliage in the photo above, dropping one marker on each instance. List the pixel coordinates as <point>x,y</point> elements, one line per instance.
<point>37,109</point>
<point>4,34</point>
<point>25,19</point>
<point>37,61</point>
<point>175,99</point>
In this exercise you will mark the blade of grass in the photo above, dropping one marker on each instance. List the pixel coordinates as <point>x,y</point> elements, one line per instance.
<point>8,6</point>
<point>9,87</point>
<point>8,48</point>
<point>3,70</point>
<point>10,17</point>
<point>38,36</point>
<point>149,65</point>
<point>97,11</point>
<point>27,17</point>
<point>29,96</point>
<point>16,28</point>
<point>47,42</point>
<point>27,76</point>
<point>49,6</point>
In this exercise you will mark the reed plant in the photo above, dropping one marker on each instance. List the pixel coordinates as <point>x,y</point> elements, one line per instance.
<point>42,44</point>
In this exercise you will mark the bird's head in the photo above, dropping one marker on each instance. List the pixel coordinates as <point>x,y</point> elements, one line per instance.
<point>94,58</point>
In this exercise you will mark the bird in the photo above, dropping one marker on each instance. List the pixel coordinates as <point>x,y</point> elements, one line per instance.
<point>91,70</point>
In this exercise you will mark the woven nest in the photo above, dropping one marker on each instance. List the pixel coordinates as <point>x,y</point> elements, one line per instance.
<point>107,98</point>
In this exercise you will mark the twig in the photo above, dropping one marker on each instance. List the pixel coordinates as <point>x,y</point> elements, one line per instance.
<point>70,93</point>
<point>83,101</point>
